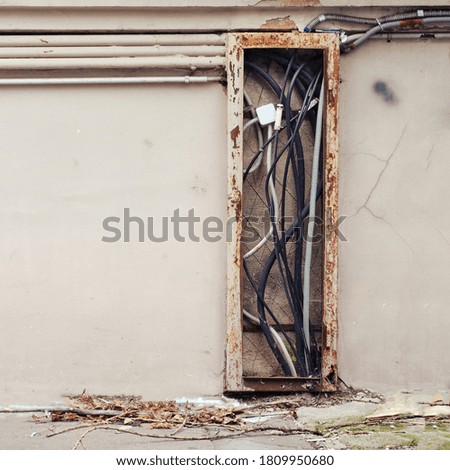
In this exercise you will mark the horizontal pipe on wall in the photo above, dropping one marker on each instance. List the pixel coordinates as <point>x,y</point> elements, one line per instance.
<point>420,35</point>
<point>68,40</point>
<point>111,51</point>
<point>106,80</point>
<point>160,62</point>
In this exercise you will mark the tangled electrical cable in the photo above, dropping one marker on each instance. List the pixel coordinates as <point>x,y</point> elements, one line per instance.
<point>400,21</point>
<point>302,77</point>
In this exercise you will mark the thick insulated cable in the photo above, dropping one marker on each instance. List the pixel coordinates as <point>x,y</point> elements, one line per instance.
<point>311,222</point>
<point>273,194</point>
<point>302,78</point>
<point>341,18</point>
<point>254,165</point>
<point>278,340</point>
<point>264,326</point>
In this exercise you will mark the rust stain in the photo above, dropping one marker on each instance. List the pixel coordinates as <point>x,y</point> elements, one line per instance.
<point>300,3</point>
<point>234,76</point>
<point>329,317</point>
<point>279,24</point>
<point>411,24</point>
<point>284,39</point>
<point>233,341</point>
<point>234,134</point>
<point>233,370</point>
<point>289,3</point>
<point>235,201</point>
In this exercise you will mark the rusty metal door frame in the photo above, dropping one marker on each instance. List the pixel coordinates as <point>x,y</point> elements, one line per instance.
<point>237,43</point>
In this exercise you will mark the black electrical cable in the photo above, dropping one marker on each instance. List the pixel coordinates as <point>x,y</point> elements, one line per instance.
<point>281,255</point>
<point>281,258</point>
<point>300,192</point>
<point>272,257</point>
<point>265,327</point>
<point>278,91</point>
<point>305,82</point>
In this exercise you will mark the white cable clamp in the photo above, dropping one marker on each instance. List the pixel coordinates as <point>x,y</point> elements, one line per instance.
<point>321,18</point>
<point>420,13</point>
<point>379,23</point>
<point>278,117</point>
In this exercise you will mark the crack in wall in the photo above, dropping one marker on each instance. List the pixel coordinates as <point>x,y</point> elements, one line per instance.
<point>390,226</point>
<point>442,236</point>
<point>428,160</point>
<point>375,186</point>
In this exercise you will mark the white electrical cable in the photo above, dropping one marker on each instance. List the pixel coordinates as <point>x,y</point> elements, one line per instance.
<point>250,123</point>
<point>278,340</point>
<point>273,194</point>
<point>258,161</point>
<point>312,213</point>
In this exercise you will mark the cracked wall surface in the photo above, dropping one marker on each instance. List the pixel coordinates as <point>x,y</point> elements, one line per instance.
<point>394,167</point>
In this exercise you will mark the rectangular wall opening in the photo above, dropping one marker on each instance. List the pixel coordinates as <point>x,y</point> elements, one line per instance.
<point>282,189</point>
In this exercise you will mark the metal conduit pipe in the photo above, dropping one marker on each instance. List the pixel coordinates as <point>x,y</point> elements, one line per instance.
<point>90,40</point>
<point>160,62</point>
<point>106,80</point>
<point>391,36</point>
<point>419,13</point>
<point>389,25</point>
<point>111,51</point>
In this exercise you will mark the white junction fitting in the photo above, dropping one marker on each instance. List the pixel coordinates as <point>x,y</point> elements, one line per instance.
<point>273,195</point>
<point>277,338</point>
<point>106,80</point>
<point>311,222</point>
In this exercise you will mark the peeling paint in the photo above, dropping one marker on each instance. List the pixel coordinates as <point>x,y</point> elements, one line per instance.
<point>233,369</point>
<point>288,3</point>
<point>301,3</point>
<point>331,183</point>
<point>411,24</point>
<point>279,23</point>
<point>234,134</point>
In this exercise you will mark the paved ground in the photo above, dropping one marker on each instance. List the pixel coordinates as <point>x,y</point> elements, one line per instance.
<point>413,420</point>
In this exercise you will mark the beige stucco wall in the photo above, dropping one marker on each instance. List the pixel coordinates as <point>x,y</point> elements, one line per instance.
<point>394,165</point>
<point>137,318</point>
<point>149,318</point>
